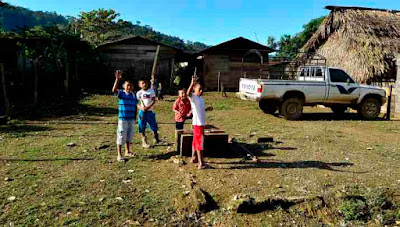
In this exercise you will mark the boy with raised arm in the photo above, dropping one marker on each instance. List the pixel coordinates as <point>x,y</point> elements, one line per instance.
<point>147,98</point>
<point>126,115</point>
<point>198,120</point>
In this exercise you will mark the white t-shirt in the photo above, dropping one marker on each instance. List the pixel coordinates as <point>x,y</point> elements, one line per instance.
<point>146,97</point>
<point>198,110</point>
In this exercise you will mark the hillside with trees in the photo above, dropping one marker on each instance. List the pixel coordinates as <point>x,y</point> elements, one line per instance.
<point>96,26</point>
<point>14,17</point>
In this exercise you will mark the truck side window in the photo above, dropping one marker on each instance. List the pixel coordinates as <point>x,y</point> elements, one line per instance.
<point>319,73</point>
<point>302,72</point>
<point>339,76</point>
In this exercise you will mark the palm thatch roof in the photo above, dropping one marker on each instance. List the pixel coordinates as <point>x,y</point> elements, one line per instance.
<point>363,41</point>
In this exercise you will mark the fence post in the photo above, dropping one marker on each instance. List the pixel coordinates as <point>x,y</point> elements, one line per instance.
<point>3,83</point>
<point>219,76</point>
<point>389,104</point>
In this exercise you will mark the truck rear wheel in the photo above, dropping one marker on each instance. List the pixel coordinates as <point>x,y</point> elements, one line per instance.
<point>370,108</point>
<point>267,106</point>
<point>292,109</point>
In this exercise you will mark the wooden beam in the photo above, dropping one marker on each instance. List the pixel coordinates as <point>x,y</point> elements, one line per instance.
<point>397,88</point>
<point>3,83</point>
<point>153,71</point>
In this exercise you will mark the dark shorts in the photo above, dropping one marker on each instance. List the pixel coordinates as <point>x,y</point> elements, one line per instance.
<point>179,125</point>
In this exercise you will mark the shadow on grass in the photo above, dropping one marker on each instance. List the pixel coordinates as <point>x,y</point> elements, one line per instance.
<point>163,156</point>
<point>44,159</point>
<point>333,117</point>
<point>268,164</point>
<point>252,207</point>
<point>63,108</point>
<point>22,128</point>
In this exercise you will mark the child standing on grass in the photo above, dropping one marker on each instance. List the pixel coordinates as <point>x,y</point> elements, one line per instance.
<point>198,121</point>
<point>147,98</point>
<point>126,115</point>
<point>182,109</point>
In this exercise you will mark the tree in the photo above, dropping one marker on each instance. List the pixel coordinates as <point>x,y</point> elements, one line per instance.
<point>52,50</point>
<point>272,43</point>
<point>97,26</point>
<point>288,46</point>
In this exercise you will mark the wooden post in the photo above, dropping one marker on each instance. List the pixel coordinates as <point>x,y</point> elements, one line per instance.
<point>397,88</point>
<point>35,83</point>
<point>171,79</point>
<point>389,104</point>
<point>3,83</point>
<point>153,71</point>
<point>219,76</point>
<point>66,81</point>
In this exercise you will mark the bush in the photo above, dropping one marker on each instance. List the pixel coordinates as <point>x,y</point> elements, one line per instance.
<point>354,208</point>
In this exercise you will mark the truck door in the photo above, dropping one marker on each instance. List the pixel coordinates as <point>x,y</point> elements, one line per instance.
<point>342,88</point>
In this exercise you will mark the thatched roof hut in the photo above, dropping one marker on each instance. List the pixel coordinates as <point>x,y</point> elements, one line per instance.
<point>363,41</point>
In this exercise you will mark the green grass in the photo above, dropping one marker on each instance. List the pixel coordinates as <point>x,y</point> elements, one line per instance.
<point>322,155</point>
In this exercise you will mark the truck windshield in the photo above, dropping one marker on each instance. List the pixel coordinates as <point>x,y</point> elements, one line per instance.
<point>339,76</point>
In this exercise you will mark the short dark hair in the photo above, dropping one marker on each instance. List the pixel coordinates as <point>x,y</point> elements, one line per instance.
<point>197,84</point>
<point>128,82</point>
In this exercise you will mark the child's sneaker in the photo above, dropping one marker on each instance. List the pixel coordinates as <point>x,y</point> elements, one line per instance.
<point>157,141</point>
<point>144,143</point>
<point>120,159</point>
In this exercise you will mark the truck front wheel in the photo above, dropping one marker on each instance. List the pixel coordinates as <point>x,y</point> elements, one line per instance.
<point>370,108</point>
<point>292,109</point>
<point>267,106</point>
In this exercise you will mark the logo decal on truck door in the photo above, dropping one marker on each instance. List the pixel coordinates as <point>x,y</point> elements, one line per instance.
<point>343,90</point>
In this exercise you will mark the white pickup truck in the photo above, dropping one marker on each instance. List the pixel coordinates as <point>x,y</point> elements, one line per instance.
<point>314,85</point>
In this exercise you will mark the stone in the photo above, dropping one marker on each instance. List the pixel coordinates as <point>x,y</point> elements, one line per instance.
<point>131,171</point>
<point>11,198</point>
<point>71,144</point>
<point>369,148</point>
<point>126,181</point>
<point>8,179</point>
<point>119,198</point>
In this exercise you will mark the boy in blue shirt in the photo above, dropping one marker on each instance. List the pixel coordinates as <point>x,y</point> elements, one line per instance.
<point>126,115</point>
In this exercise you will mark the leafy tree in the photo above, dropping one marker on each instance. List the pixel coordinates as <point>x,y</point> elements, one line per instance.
<point>272,42</point>
<point>52,50</point>
<point>98,26</point>
<point>288,46</point>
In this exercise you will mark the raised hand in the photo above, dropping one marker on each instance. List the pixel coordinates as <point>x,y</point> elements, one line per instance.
<point>118,74</point>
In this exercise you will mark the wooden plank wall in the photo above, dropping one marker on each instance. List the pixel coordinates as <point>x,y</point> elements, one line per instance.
<point>137,60</point>
<point>230,68</point>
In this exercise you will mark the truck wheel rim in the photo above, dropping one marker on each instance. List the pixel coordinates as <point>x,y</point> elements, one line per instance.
<point>292,108</point>
<point>371,108</point>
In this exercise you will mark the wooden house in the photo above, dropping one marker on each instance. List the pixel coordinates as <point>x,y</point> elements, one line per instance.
<point>224,64</point>
<point>135,56</point>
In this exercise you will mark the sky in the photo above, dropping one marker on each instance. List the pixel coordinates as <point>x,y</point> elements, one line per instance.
<point>211,21</point>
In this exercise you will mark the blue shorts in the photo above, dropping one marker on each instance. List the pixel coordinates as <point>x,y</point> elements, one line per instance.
<point>147,118</point>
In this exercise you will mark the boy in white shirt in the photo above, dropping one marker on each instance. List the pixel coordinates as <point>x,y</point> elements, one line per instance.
<point>198,121</point>
<point>146,100</point>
